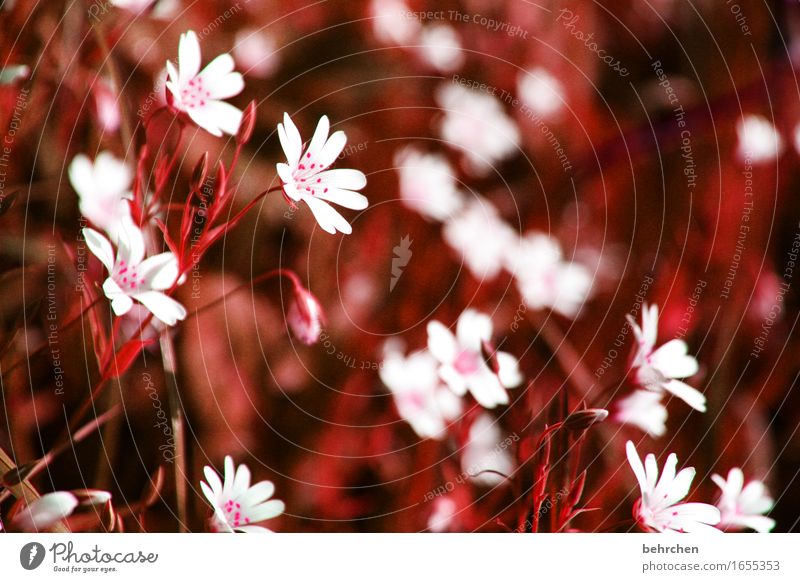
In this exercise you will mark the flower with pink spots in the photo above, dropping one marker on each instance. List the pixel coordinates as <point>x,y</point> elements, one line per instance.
<point>199,94</point>
<point>658,509</point>
<point>134,278</point>
<point>306,176</point>
<point>237,505</point>
<point>743,506</point>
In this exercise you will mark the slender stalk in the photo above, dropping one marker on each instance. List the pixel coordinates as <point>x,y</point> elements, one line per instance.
<point>565,353</point>
<point>176,419</point>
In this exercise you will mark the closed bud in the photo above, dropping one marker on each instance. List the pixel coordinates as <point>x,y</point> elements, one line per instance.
<point>305,316</point>
<point>199,173</point>
<point>247,124</point>
<point>583,419</point>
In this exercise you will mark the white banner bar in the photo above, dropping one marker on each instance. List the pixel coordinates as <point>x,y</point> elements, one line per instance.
<point>398,557</point>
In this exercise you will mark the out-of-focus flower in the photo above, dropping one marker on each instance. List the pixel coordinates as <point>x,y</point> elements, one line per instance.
<point>541,92</point>
<point>103,189</point>
<point>743,506</point>
<point>256,52</point>
<point>481,237</point>
<point>476,124</point>
<point>441,519</point>
<point>238,505</point>
<point>658,509</point>
<point>462,365</point>
<point>135,6</point>
<point>92,496</point>
<point>658,369</point>
<point>544,279</point>
<point>759,141</point>
<point>440,47</point>
<point>132,277</point>
<point>418,393</point>
<point>305,316</point>
<point>13,73</point>
<point>427,184</point>
<point>486,458</point>
<point>306,176</point>
<point>644,409</point>
<point>107,106</point>
<point>43,513</point>
<point>393,23</point>
<point>199,94</point>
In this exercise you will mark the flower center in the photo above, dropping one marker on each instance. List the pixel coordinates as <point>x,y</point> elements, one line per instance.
<point>233,511</point>
<point>466,363</point>
<point>127,277</point>
<point>195,94</point>
<point>305,176</point>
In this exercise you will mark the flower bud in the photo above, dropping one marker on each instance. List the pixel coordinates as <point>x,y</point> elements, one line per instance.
<point>247,124</point>
<point>583,419</point>
<point>305,316</point>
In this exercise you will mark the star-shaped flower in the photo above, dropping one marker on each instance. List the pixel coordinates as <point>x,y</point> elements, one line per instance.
<point>658,509</point>
<point>238,505</point>
<point>306,176</point>
<point>743,506</point>
<point>103,188</point>
<point>199,94</point>
<point>462,359</point>
<point>134,278</point>
<point>659,369</point>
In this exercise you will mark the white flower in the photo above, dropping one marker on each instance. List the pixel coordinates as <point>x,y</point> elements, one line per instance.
<point>103,189</point>
<point>45,512</point>
<point>743,506</point>
<point>486,457</point>
<point>427,184</point>
<point>132,277</point>
<point>759,141</point>
<point>543,278</point>
<point>421,399</point>
<point>135,6</point>
<point>306,176</point>
<point>107,106</point>
<point>199,93</point>
<point>658,509</point>
<point>541,92</point>
<point>644,409</point>
<point>481,237</point>
<point>441,518</point>
<point>461,360</point>
<point>476,124</point>
<point>440,47</point>
<point>256,52</point>
<point>392,22</point>
<point>658,369</point>
<point>238,505</point>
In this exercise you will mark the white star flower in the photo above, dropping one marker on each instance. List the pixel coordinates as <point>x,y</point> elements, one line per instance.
<point>421,399</point>
<point>743,506</point>
<point>658,509</point>
<point>462,364</point>
<point>427,184</point>
<point>544,278</point>
<point>481,237</point>
<point>476,124</point>
<point>237,505</point>
<point>199,94</point>
<point>132,277</point>
<point>659,369</point>
<point>644,409</point>
<point>103,189</point>
<point>306,176</point>
<point>542,92</point>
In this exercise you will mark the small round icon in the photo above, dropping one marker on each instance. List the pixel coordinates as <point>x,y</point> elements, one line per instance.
<point>31,555</point>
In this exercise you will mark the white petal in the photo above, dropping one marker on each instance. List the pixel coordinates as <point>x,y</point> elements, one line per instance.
<point>672,360</point>
<point>266,510</point>
<point>441,342</point>
<point>509,373</point>
<point>329,219</point>
<point>121,305</point>
<point>472,329</point>
<point>333,147</point>
<point>241,480</point>
<point>344,178</point>
<point>159,271</point>
<point>636,464</point>
<point>315,147</point>
<point>100,247</point>
<point>165,308</point>
<point>44,512</point>
<point>691,396</point>
<point>258,493</point>
<point>188,56</point>
<point>214,481</point>
<point>344,198</point>
<point>290,139</point>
